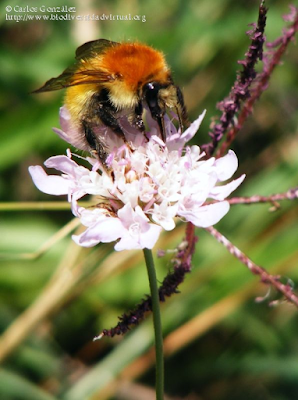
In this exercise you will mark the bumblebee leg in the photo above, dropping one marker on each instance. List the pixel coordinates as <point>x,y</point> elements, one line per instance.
<point>181,109</point>
<point>137,120</point>
<point>90,136</point>
<point>94,143</point>
<point>156,107</point>
<point>107,118</point>
<point>105,111</point>
<point>158,115</point>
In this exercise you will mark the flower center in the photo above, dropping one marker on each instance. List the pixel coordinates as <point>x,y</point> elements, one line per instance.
<point>134,229</point>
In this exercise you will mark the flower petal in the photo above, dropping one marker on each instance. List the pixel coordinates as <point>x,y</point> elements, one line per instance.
<point>193,128</point>
<point>221,192</point>
<point>206,216</point>
<point>105,230</point>
<point>175,142</point>
<point>63,164</point>
<point>226,166</point>
<point>69,133</point>
<point>139,233</point>
<point>146,239</point>
<point>164,214</point>
<point>50,184</point>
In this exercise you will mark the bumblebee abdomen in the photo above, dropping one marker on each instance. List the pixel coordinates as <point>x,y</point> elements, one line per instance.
<point>77,99</point>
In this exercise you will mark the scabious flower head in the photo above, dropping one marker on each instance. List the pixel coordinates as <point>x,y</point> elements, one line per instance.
<point>145,189</point>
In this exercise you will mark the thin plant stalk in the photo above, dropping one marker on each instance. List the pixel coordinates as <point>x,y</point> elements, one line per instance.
<point>159,361</point>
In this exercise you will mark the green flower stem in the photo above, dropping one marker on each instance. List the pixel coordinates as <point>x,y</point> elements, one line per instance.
<point>40,205</point>
<point>159,362</point>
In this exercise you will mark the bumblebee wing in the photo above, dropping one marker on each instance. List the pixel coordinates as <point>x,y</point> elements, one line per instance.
<point>76,75</point>
<point>94,47</point>
<point>73,77</point>
<point>60,82</point>
<point>69,78</point>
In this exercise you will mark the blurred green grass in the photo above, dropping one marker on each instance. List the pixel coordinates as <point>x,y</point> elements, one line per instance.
<point>244,350</point>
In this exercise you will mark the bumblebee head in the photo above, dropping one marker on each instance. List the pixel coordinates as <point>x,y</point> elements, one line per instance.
<point>160,96</point>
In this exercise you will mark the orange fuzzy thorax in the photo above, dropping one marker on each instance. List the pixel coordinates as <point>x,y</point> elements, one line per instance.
<point>128,67</point>
<point>136,63</point>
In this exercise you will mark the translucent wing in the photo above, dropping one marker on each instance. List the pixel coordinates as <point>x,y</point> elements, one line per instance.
<point>76,74</point>
<point>89,49</point>
<point>62,81</point>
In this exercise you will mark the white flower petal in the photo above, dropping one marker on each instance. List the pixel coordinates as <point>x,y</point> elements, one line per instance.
<point>206,216</point>
<point>104,231</point>
<point>69,133</point>
<point>139,232</point>
<point>50,184</point>
<point>174,143</point>
<point>222,192</point>
<point>226,166</point>
<point>146,239</point>
<point>164,214</point>
<point>150,236</point>
<point>193,128</point>
<point>63,164</point>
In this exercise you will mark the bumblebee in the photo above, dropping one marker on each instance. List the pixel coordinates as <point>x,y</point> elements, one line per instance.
<point>110,80</point>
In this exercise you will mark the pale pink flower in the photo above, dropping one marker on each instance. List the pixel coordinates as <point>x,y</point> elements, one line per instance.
<point>149,189</point>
